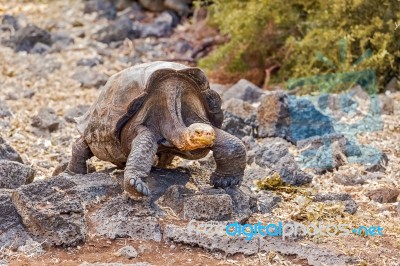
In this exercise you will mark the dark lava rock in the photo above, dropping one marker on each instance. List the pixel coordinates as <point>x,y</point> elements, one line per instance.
<point>219,88</point>
<point>12,232</point>
<point>251,146</point>
<point>104,8</point>
<point>253,174</point>
<point>325,153</point>
<point>330,151</point>
<point>123,217</point>
<point>353,111</point>
<point>124,4</point>
<point>271,151</point>
<point>61,40</point>
<point>386,104</point>
<point>273,116</point>
<point>174,198</point>
<point>179,6</point>
<point>343,103</point>
<point>45,121</point>
<point>348,147</point>
<point>267,201</point>
<point>350,205</point>
<point>118,30</point>
<point>215,238</point>
<point>75,112</point>
<point>208,207</point>
<point>290,117</point>
<point>239,108</point>
<point>4,110</point>
<point>182,47</point>
<point>209,203</point>
<point>244,203</point>
<point>52,212</point>
<point>90,62</point>
<point>40,48</point>
<point>14,174</point>
<point>8,153</point>
<point>377,161</point>
<point>306,121</point>
<point>161,27</point>
<point>153,5</point>
<point>90,78</point>
<point>237,126</point>
<point>275,155</point>
<point>10,21</point>
<point>95,187</point>
<point>373,159</point>
<point>383,195</point>
<point>159,180</point>
<point>244,90</point>
<point>26,38</point>
<point>351,180</point>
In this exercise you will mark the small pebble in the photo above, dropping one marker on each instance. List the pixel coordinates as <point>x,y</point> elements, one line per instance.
<point>383,195</point>
<point>127,252</point>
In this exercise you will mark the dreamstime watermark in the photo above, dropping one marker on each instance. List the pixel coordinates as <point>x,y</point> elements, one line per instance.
<point>287,230</point>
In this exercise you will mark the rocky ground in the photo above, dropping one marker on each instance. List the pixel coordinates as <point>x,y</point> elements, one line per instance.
<point>310,158</point>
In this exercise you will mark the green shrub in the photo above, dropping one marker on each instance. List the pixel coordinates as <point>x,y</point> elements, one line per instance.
<point>307,37</point>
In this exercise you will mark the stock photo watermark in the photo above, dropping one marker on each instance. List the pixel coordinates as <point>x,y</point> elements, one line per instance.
<point>283,230</point>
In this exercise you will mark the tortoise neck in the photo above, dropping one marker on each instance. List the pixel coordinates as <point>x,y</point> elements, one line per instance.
<point>171,123</point>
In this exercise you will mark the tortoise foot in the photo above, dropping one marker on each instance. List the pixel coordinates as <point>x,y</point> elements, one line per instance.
<point>135,186</point>
<point>225,181</point>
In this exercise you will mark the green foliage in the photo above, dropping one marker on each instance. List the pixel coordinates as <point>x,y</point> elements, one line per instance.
<point>307,37</point>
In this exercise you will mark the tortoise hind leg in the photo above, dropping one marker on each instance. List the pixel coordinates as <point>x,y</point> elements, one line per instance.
<point>141,158</point>
<point>80,154</point>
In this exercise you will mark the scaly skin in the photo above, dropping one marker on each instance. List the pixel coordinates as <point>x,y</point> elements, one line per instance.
<point>140,160</point>
<point>80,154</point>
<point>230,156</point>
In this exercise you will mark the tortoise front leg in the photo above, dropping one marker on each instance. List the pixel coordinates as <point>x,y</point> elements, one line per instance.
<point>80,154</point>
<point>141,158</point>
<point>230,156</point>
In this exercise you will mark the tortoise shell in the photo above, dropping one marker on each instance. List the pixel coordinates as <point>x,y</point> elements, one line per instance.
<point>124,93</point>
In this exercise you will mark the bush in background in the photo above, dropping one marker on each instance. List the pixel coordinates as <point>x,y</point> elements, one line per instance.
<point>298,38</point>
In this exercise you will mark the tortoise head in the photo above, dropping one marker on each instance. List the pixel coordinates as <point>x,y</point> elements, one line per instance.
<point>199,135</point>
